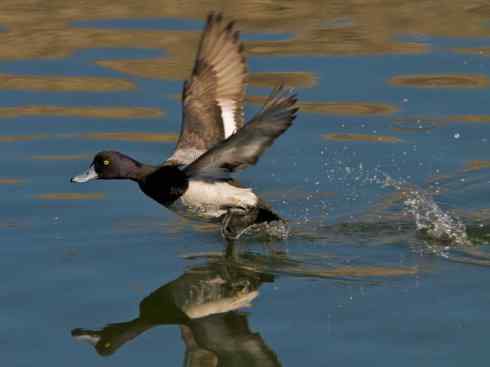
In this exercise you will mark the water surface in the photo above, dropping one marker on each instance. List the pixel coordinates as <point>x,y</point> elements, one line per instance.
<point>384,177</point>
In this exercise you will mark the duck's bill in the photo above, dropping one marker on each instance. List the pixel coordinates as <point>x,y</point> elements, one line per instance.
<point>86,335</point>
<point>88,175</point>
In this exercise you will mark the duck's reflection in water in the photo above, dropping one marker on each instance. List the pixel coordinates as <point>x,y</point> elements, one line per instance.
<point>203,302</point>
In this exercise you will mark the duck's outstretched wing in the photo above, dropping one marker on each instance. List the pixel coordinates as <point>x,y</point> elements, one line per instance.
<point>244,147</point>
<point>212,99</point>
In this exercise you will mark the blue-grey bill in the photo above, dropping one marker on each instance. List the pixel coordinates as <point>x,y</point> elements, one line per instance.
<point>88,175</point>
<point>91,339</point>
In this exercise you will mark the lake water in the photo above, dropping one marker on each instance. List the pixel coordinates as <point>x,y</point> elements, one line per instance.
<point>384,177</point>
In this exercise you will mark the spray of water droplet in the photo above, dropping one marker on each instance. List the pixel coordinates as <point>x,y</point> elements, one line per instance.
<point>430,219</point>
<point>441,230</point>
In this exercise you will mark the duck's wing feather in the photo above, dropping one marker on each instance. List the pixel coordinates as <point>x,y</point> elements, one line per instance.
<point>244,147</point>
<point>213,97</point>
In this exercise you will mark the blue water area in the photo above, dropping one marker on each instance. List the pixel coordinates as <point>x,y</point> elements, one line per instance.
<point>387,261</point>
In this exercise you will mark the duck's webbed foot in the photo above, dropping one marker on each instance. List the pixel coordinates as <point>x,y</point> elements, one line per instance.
<point>262,221</point>
<point>236,221</point>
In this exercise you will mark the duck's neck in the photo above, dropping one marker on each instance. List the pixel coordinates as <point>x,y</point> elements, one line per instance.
<point>164,184</point>
<point>130,169</point>
<point>140,171</point>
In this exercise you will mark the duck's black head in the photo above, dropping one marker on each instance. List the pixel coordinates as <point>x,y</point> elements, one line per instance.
<point>110,165</point>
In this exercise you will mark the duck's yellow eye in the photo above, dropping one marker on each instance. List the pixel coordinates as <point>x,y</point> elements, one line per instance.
<point>106,162</point>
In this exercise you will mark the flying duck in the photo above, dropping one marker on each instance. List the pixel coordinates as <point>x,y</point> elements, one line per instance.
<point>195,181</point>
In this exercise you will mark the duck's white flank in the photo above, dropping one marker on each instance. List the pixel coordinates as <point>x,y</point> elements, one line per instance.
<point>222,305</point>
<point>212,199</point>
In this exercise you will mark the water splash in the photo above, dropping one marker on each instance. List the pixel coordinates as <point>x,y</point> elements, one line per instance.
<point>430,219</point>
<point>276,230</point>
<point>353,182</point>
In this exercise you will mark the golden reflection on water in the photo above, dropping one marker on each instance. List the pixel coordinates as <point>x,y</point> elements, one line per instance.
<point>300,266</point>
<point>362,137</point>
<point>35,30</point>
<point>405,129</point>
<point>46,30</point>
<point>70,196</point>
<point>131,136</point>
<point>10,181</point>
<point>173,68</point>
<point>180,68</point>
<point>347,108</point>
<point>481,51</point>
<point>88,112</point>
<point>117,136</point>
<point>74,157</point>
<point>21,138</point>
<point>64,83</point>
<point>477,165</point>
<point>318,42</point>
<point>290,79</point>
<point>337,108</point>
<point>467,118</point>
<point>353,272</point>
<point>442,120</point>
<point>441,81</point>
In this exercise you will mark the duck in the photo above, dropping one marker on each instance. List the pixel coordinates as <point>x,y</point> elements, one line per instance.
<point>197,180</point>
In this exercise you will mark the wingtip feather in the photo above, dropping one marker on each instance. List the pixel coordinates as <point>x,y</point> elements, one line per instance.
<point>230,25</point>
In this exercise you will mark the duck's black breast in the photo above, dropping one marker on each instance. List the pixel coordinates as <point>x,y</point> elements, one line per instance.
<point>165,185</point>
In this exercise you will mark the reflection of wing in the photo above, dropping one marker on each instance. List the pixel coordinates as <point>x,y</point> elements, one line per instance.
<point>213,97</point>
<point>245,146</point>
<point>231,341</point>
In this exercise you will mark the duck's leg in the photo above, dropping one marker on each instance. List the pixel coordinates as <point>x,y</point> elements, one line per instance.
<point>235,222</point>
<point>231,251</point>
